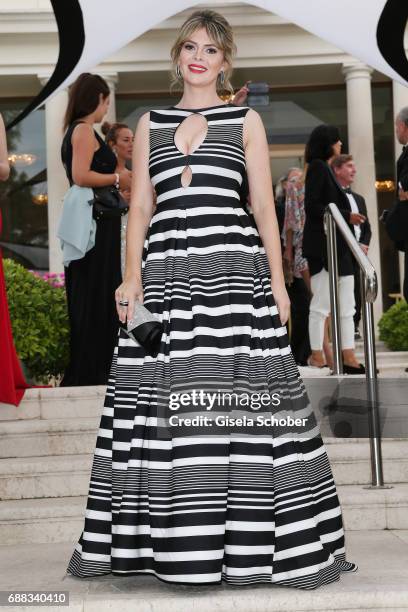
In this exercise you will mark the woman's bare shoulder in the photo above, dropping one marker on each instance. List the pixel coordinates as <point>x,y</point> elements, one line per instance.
<point>82,131</point>
<point>142,126</point>
<point>253,118</point>
<point>254,129</point>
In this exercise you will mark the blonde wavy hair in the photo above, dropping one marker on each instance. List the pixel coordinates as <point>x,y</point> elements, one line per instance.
<point>220,32</point>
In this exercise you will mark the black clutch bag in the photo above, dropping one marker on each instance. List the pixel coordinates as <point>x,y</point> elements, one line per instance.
<point>145,329</point>
<point>108,203</point>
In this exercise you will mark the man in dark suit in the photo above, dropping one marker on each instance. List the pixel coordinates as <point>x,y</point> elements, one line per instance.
<point>345,171</point>
<point>401,130</point>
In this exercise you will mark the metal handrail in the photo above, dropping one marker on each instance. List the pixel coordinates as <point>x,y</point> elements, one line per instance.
<point>369,289</point>
<point>365,264</point>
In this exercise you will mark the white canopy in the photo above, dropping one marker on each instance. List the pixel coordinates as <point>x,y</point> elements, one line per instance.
<point>91,30</point>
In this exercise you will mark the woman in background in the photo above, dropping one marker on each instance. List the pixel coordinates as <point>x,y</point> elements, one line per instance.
<point>296,265</point>
<point>294,222</point>
<point>322,188</point>
<point>300,291</point>
<point>119,137</point>
<point>12,383</point>
<point>91,281</point>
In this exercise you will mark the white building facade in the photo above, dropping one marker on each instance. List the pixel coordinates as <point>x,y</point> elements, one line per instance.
<point>310,82</point>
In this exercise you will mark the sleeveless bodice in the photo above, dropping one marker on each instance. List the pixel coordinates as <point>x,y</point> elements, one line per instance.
<point>103,161</point>
<point>217,164</point>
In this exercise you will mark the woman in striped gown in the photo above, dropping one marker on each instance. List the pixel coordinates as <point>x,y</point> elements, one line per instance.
<point>192,502</point>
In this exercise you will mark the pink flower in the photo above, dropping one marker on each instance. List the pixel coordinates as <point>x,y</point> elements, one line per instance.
<point>55,279</point>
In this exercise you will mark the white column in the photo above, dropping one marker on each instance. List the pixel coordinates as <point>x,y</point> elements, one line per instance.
<point>400,99</point>
<point>361,147</point>
<point>112,81</point>
<point>56,177</point>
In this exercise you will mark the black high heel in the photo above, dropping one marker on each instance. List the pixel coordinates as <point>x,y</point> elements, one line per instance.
<point>347,369</point>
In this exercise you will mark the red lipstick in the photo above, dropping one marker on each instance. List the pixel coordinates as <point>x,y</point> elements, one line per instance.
<point>197,68</point>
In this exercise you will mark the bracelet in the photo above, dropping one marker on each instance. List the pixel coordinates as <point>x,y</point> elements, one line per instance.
<point>117,180</point>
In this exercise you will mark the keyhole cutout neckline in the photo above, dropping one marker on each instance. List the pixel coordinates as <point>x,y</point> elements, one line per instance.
<point>186,175</point>
<point>201,134</point>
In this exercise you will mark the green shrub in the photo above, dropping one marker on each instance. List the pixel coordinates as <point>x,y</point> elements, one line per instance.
<point>393,327</point>
<point>39,319</point>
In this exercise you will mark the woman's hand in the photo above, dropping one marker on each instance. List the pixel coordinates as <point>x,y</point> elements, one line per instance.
<point>125,180</point>
<point>126,195</point>
<point>282,302</point>
<point>130,291</point>
<point>241,95</point>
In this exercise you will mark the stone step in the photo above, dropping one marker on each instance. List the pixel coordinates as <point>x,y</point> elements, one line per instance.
<point>62,519</point>
<point>354,453</point>
<point>379,345</point>
<point>393,372</point>
<point>36,477</point>
<point>359,471</point>
<point>56,403</point>
<point>365,508</point>
<point>38,437</point>
<point>57,519</point>
<point>68,475</point>
<point>388,367</point>
<point>387,357</point>
<point>77,436</point>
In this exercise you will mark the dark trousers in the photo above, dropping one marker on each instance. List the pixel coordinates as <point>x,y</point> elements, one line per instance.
<point>299,312</point>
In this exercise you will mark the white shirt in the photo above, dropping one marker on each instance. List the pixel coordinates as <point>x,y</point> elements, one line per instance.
<point>354,209</point>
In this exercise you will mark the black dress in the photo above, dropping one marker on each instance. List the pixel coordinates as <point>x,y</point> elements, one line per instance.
<point>90,285</point>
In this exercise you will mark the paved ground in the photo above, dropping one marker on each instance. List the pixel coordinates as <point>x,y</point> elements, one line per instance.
<point>380,584</point>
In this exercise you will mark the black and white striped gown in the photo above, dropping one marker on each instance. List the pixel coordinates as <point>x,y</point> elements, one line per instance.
<point>201,508</point>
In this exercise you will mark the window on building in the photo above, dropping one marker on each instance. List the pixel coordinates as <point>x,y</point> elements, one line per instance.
<point>23,198</point>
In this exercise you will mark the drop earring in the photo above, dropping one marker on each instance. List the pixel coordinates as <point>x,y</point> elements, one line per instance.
<point>222,78</point>
<point>178,72</point>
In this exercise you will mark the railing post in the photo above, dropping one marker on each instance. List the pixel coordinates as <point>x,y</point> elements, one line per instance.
<point>334,297</point>
<point>377,478</point>
<point>332,220</point>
